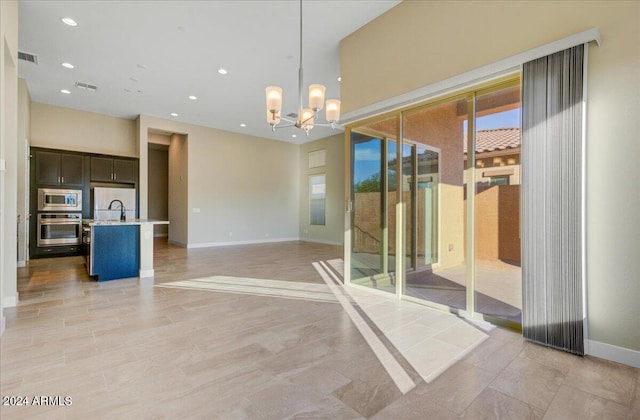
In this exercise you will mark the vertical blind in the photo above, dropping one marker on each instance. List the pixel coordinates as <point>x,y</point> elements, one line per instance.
<point>552,108</point>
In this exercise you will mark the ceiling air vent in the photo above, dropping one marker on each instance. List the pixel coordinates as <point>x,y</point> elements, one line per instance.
<point>86,86</point>
<point>31,58</point>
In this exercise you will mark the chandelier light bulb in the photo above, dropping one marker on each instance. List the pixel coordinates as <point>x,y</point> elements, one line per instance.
<point>333,110</point>
<point>274,98</point>
<point>316,97</point>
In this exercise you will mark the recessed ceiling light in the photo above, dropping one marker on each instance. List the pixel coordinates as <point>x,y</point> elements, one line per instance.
<point>339,79</point>
<point>243,125</point>
<point>193,97</point>
<point>294,136</point>
<point>69,21</point>
<point>65,91</point>
<point>222,71</point>
<point>68,65</point>
<point>173,114</point>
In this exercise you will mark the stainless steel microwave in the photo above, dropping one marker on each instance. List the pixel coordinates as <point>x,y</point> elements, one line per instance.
<point>53,199</point>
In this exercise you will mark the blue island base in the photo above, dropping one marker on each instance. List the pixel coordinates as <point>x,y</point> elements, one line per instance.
<point>116,252</point>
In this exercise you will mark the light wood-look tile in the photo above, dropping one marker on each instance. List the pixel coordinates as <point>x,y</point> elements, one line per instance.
<point>126,349</point>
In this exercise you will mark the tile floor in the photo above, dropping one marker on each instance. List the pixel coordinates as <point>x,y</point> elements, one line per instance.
<point>123,349</point>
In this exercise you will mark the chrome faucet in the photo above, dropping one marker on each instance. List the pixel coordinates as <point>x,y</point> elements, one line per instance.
<point>122,209</point>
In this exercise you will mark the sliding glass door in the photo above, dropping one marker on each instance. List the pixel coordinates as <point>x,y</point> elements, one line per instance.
<point>421,172</point>
<point>434,190</point>
<point>441,191</point>
<point>497,272</point>
<point>372,201</point>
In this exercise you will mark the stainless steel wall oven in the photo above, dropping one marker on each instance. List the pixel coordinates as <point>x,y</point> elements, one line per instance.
<point>59,229</point>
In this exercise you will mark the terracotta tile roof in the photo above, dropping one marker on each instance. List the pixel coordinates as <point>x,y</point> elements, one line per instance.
<point>496,139</point>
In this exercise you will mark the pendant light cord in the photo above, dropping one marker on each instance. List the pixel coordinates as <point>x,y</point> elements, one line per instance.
<point>300,76</point>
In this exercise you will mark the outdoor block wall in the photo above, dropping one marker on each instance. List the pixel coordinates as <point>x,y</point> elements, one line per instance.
<point>497,225</point>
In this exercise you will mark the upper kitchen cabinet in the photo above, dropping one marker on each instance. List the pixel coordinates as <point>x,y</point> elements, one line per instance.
<point>59,168</point>
<point>114,170</point>
<point>125,170</point>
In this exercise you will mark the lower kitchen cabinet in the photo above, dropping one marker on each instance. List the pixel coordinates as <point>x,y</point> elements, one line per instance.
<point>55,251</point>
<point>115,251</point>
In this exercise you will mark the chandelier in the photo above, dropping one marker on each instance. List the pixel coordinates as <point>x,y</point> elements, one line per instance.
<point>306,117</point>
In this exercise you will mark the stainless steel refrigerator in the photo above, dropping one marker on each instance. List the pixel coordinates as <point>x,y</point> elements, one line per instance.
<point>106,203</point>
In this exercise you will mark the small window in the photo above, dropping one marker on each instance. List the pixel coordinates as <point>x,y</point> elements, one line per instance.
<point>317,193</point>
<point>499,180</point>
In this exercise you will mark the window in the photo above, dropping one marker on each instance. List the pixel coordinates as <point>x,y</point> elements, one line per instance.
<point>499,180</point>
<point>317,193</point>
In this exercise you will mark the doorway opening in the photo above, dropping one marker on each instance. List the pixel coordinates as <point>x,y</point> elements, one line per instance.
<point>167,184</point>
<point>158,176</point>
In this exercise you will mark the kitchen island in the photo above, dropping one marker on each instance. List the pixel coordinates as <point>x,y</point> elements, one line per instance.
<point>119,249</point>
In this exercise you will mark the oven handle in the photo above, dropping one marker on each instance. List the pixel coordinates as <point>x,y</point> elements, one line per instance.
<point>58,222</point>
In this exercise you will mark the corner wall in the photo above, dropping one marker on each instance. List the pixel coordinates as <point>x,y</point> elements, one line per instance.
<point>333,230</point>
<point>24,133</point>
<point>416,44</point>
<point>8,154</point>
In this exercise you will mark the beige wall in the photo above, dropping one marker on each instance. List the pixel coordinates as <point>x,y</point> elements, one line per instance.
<point>8,154</point>
<point>240,188</point>
<point>416,44</point>
<point>333,230</point>
<point>69,129</point>
<point>159,138</point>
<point>24,122</point>
<point>497,234</point>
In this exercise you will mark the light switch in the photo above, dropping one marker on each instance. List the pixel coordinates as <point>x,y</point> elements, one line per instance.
<point>196,209</point>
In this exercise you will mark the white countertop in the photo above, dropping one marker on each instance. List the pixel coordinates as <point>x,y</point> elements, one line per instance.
<point>93,222</point>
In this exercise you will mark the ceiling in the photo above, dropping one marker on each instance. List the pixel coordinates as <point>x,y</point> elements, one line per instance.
<point>148,57</point>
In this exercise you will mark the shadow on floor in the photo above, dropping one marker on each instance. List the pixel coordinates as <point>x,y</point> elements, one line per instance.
<point>429,286</point>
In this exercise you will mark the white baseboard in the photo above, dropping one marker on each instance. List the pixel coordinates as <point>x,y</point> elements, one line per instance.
<point>22,264</point>
<point>250,242</point>
<point>10,301</point>
<point>613,353</point>
<point>322,241</point>
<point>178,243</point>
<point>146,273</point>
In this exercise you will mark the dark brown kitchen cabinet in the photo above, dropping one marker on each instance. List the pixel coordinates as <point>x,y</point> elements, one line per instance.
<point>125,170</point>
<point>101,169</point>
<point>114,170</point>
<point>59,168</point>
